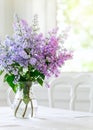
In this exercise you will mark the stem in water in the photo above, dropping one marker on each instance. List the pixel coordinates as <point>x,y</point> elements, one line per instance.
<point>17,107</point>
<point>25,110</point>
<point>31,108</point>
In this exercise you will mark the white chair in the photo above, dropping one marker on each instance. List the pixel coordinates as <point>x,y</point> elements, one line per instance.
<point>74,82</point>
<point>84,80</point>
<point>59,81</point>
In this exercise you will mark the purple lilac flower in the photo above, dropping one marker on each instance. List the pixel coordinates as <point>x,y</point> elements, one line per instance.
<point>28,47</point>
<point>33,61</point>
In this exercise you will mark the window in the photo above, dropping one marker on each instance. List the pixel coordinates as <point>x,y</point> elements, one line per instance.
<point>79,15</point>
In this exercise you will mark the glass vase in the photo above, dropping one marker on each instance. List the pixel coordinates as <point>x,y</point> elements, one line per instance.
<point>25,103</point>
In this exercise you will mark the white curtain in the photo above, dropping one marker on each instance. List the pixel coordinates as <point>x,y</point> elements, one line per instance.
<point>45,9</point>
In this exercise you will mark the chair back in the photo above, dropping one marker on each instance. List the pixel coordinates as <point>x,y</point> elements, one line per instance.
<point>74,82</point>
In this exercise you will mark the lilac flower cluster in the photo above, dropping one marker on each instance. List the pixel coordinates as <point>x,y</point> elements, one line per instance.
<point>29,55</point>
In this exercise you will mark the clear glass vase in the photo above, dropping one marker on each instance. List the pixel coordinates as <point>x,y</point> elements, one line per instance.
<point>25,103</point>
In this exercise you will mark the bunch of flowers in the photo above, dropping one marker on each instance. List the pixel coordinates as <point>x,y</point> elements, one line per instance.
<point>28,55</point>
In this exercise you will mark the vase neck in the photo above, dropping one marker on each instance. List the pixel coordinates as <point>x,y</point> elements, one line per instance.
<point>25,88</point>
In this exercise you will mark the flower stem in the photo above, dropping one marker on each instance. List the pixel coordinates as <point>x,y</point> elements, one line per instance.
<point>25,110</point>
<point>31,108</point>
<point>17,107</point>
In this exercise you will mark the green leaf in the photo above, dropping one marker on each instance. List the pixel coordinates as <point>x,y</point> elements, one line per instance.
<point>34,73</point>
<point>22,78</point>
<point>40,81</point>
<point>42,76</point>
<point>1,72</point>
<point>9,79</point>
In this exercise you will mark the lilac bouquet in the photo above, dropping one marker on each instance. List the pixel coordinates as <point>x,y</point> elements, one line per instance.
<point>28,55</point>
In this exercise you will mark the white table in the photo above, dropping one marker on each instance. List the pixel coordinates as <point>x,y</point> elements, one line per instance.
<point>47,119</point>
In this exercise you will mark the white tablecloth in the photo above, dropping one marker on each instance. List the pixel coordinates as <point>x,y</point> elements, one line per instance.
<point>47,119</point>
